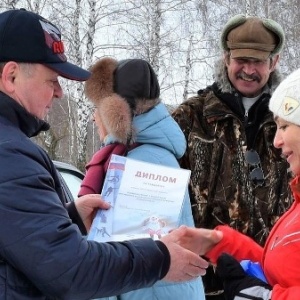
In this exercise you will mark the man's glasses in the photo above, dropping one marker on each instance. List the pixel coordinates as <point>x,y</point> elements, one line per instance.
<point>256,174</point>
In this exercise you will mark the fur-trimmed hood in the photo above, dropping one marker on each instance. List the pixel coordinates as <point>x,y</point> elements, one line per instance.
<point>121,90</point>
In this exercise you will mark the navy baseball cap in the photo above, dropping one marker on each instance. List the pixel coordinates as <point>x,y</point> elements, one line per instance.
<point>29,38</point>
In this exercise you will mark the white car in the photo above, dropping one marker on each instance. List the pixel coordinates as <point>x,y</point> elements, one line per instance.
<point>71,179</point>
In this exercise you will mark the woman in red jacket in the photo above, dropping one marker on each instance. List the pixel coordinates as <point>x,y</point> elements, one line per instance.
<point>280,257</point>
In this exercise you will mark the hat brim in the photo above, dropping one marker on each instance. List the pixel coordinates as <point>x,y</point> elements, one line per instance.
<point>69,71</point>
<point>249,53</point>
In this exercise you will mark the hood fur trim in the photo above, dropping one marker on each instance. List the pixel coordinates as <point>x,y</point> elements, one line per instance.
<point>114,111</point>
<point>100,84</point>
<point>115,114</point>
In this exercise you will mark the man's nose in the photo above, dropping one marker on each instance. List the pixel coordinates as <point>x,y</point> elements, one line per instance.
<point>249,68</point>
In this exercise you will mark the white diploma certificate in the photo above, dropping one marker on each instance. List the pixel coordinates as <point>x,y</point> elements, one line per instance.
<point>146,200</point>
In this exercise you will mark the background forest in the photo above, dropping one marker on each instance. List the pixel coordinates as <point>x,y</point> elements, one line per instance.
<point>180,38</point>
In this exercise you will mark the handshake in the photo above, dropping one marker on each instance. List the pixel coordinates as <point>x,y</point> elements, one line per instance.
<point>186,245</point>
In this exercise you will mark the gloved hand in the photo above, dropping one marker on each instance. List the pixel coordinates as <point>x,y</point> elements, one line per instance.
<point>237,284</point>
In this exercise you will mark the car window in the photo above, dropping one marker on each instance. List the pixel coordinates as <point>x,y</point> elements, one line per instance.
<point>70,178</point>
<point>73,182</point>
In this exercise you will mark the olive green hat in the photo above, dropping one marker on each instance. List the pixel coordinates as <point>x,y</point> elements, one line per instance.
<point>252,37</point>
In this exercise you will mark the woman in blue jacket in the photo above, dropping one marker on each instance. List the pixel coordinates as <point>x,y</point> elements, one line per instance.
<point>132,121</point>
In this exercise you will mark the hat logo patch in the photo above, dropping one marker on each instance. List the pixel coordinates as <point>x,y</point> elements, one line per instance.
<point>289,105</point>
<point>53,39</point>
<point>58,47</point>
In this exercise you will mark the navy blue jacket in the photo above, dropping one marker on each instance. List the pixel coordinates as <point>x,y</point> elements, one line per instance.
<point>43,254</point>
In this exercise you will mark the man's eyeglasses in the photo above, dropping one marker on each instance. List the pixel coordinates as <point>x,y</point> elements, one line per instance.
<point>256,174</point>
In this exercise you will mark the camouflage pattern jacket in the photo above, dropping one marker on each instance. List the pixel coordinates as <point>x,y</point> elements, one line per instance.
<point>218,133</point>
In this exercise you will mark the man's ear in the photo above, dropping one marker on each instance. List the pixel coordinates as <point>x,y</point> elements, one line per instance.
<point>226,58</point>
<point>275,61</point>
<point>8,76</point>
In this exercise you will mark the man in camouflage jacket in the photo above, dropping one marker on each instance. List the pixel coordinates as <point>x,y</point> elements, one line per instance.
<point>220,127</point>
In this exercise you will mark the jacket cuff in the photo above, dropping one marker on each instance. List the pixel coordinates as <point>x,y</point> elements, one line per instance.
<point>74,215</point>
<point>167,261</point>
<point>236,244</point>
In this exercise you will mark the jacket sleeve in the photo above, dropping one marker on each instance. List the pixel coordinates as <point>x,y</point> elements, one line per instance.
<point>282,293</point>
<point>190,117</point>
<point>183,115</point>
<point>236,244</point>
<point>39,239</point>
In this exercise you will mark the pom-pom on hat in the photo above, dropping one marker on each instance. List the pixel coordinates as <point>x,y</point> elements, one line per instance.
<point>285,101</point>
<point>115,88</point>
<point>252,37</point>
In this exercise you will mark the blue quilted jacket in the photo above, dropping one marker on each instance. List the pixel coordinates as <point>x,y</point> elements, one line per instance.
<point>162,142</point>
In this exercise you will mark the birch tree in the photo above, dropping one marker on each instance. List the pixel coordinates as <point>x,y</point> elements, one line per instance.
<point>180,38</point>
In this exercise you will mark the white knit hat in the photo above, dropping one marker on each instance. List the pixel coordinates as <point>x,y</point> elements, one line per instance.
<point>285,101</point>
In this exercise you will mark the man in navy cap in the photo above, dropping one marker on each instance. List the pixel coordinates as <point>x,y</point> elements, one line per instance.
<point>43,254</point>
